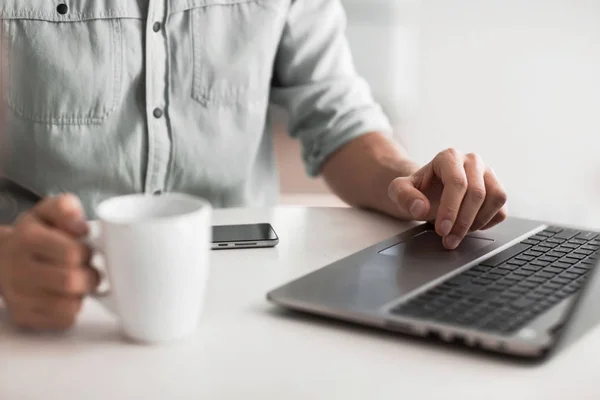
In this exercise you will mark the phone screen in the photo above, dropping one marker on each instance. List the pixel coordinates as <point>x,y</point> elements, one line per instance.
<point>243,233</point>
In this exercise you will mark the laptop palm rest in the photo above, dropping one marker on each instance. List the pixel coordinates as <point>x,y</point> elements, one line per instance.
<point>368,280</point>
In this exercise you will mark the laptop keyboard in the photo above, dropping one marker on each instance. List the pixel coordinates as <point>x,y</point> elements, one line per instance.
<point>507,291</point>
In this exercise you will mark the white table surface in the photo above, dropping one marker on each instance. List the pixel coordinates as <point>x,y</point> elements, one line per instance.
<point>245,349</point>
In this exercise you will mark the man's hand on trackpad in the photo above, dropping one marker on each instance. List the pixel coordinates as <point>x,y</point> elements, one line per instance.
<point>457,192</point>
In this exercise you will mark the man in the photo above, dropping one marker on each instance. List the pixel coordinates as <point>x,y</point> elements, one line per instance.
<point>113,97</point>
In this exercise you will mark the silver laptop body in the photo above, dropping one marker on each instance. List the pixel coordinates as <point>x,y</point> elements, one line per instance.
<point>410,284</point>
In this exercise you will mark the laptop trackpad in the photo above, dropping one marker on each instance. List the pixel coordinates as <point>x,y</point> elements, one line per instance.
<point>427,246</point>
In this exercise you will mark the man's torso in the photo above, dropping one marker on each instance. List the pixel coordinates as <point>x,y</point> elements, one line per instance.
<point>114,96</point>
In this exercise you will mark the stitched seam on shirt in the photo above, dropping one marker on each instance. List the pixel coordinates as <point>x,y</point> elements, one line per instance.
<point>72,16</point>
<point>47,118</point>
<point>206,94</point>
<point>193,4</point>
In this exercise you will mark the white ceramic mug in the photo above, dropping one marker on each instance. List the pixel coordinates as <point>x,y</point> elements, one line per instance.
<point>155,250</point>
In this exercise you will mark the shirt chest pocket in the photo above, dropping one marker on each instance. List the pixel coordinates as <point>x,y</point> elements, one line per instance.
<point>63,62</point>
<point>234,45</point>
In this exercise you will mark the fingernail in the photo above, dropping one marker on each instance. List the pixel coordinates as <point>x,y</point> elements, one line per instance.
<point>452,241</point>
<point>446,227</point>
<point>77,227</point>
<point>417,209</point>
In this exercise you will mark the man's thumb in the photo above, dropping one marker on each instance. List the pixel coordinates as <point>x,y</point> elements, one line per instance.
<point>409,199</point>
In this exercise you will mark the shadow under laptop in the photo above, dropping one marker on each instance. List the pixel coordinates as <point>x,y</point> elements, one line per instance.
<point>428,344</point>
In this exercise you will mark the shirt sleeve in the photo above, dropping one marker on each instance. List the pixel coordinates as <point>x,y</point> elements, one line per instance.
<point>327,102</point>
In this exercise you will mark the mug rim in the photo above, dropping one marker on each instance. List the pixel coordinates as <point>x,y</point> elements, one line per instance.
<point>199,205</point>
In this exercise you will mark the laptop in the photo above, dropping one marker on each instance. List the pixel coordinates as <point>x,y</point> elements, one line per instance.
<point>523,288</point>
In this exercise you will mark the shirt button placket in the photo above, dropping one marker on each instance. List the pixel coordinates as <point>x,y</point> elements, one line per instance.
<point>159,144</point>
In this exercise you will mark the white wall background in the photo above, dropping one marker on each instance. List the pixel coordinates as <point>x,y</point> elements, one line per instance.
<point>516,81</point>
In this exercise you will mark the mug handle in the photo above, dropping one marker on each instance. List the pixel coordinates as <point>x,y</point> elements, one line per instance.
<point>104,296</point>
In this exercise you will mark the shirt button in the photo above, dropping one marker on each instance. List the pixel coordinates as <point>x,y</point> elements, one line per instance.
<point>157,113</point>
<point>62,9</point>
<point>156,27</point>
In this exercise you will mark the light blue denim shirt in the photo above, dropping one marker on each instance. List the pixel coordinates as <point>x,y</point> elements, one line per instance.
<point>108,97</point>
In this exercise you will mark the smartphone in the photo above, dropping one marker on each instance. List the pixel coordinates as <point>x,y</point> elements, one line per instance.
<point>243,236</point>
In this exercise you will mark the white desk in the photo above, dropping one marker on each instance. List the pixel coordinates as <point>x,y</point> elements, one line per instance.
<point>246,350</point>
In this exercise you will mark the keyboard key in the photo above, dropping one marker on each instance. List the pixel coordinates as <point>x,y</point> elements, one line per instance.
<point>512,278</point>
<point>570,289</point>
<point>583,251</point>
<point>560,280</point>
<point>526,258</point>
<point>521,303</point>
<point>533,253</point>
<point>509,267</point>
<point>505,255</point>
<point>480,268</point>
<point>561,265</point>
<point>548,258</point>
<point>577,270</point>
<point>547,245</point>
<point>557,254</point>
<point>519,290</point>
<point>594,242</point>
<point>553,270</point>
<point>501,270</point>
<point>545,291</point>
<point>531,241</point>
<point>516,262</point>
<point>540,263</point>
<point>569,260</point>
<point>570,246</point>
<point>536,279</point>
<point>562,250</point>
<point>552,286</point>
<point>540,249</point>
<point>555,240</point>
<point>566,234</point>
<point>543,234</point>
<point>493,275</point>
<point>587,235</point>
<point>576,256</point>
<point>528,285</point>
<point>536,296</point>
<point>544,274</point>
<point>553,229</point>
<point>590,247</point>
<point>523,272</point>
<point>583,265</point>
<point>509,296</point>
<point>530,267</point>
<point>569,275</point>
<point>576,241</point>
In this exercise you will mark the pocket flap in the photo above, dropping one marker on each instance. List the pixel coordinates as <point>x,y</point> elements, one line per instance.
<point>66,11</point>
<point>179,5</point>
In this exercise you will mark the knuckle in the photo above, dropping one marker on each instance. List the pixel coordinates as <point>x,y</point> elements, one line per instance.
<point>477,193</point>
<point>501,215</point>
<point>499,197</point>
<point>473,158</point>
<point>451,152</point>
<point>459,182</point>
